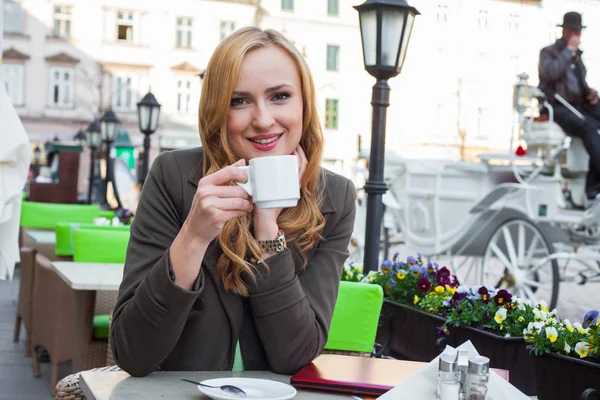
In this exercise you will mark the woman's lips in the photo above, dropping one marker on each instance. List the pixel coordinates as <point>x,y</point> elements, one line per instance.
<point>265,143</point>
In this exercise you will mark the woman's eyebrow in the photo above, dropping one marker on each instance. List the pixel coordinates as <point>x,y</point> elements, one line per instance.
<point>271,89</point>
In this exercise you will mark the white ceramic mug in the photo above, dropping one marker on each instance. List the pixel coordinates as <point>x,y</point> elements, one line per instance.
<point>273,182</point>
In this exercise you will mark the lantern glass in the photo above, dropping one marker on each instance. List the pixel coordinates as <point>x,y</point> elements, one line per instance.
<point>410,19</point>
<point>94,139</point>
<point>108,130</point>
<point>368,30</point>
<point>392,24</point>
<point>144,114</point>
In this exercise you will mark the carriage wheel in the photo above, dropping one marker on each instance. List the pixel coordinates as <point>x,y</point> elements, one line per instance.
<point>511,258</point>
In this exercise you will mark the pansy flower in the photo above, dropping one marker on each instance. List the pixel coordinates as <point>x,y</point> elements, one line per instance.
<point>442,331</point>
<point>502,297</point>
<point>485,296</point>
<point>457,297</point>
<point>582,349</point>
<point>551,334</point>
<point>386,266</point>
<point>430,268</point>
<point>401,274</point>
<point>440,289</point>
<point>415,270</point>
<point>487,316</point>
<point>500,315</point>
<point>411,260</point>
<point>416,299</point>
<point>424,285</point>
<point>590,318</point>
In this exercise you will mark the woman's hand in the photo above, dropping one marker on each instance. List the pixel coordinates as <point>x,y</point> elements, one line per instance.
<point>216,202</point>
<point>265,220</point>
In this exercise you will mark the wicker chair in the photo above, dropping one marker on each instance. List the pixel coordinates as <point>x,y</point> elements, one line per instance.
<point>25,300</point>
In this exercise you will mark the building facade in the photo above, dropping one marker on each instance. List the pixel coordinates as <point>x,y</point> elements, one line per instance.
<point>65,61</point>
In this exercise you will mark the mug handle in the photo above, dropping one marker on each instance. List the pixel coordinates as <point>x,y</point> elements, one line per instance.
<point>247,186</point>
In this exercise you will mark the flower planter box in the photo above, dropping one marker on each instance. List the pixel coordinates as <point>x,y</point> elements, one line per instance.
<point>409,333</point>
<point>509,353</point>
<point>562,377</point>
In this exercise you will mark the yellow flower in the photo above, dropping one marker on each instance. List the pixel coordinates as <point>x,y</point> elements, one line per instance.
<point>385,270</point>
<point>431,308</point>
<point>568,325</point>
<point>401,275</point>
<point>500,315</point>
<point>416,299</point>
<point>543,309</point>
<point>521,319</point>
<point>582,349</point>
<point>439,289</point>
<point>450,289</point>
<point>551,334</point>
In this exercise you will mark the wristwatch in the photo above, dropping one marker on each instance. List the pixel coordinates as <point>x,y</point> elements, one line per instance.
<point>276,245</point>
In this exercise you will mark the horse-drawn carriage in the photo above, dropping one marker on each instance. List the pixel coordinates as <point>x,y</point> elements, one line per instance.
<point>507,220</point>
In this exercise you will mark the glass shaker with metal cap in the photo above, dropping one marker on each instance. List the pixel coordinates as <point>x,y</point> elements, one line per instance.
<point>478,376</point>
<point>448,378</point>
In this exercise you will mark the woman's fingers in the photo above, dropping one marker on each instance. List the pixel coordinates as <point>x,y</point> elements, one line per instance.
<point>228,204</point>
<point>222,191</point>
<point>302,160</point>
<point>228,174</point>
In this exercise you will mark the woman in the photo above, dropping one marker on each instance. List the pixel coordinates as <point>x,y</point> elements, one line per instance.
<point>198,292</point>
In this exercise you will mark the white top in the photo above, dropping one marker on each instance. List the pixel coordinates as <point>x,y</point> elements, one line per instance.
<point>15,155</point>
<point>118,385</point>
<point>42,237</point>
<point>89,276</point>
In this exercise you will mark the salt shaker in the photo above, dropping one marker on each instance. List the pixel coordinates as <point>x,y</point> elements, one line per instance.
<point>448,378</point>
<point>463,363</point>
<point>478,376</point>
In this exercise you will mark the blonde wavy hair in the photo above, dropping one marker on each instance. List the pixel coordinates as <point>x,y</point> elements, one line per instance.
<point>302,224</point>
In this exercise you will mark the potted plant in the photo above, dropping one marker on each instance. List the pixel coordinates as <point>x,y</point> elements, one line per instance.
<point>567,355</point>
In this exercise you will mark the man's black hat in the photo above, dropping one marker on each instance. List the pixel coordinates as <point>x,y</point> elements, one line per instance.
<point>572,20</point>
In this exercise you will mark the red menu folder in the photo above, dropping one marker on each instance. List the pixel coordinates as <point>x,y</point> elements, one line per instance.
<point>357,375</point>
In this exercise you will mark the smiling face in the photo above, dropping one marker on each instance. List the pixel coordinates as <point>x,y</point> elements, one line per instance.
<point>265,116</point>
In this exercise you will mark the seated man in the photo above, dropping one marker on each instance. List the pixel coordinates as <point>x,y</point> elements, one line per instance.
<point>562,72</point>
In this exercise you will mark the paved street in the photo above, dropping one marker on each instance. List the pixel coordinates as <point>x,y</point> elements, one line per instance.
<point>16,372</point>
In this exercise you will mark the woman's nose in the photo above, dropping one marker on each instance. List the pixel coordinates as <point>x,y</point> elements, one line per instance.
<point>262,119</point>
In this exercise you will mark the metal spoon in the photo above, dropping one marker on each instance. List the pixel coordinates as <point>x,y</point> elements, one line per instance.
<point>229,389</point>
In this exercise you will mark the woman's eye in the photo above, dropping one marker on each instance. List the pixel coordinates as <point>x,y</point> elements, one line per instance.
<point>281,96</point>
<point>237,102</point>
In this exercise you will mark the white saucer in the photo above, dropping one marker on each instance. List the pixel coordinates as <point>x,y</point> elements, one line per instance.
<point>255,389</point>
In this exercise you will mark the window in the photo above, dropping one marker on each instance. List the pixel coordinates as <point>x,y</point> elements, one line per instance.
<point>333,7</point>
<point>13,17</point>
<point>12,77</point>
<point>482,20</point>
<point>124,91</point>
<point>513,22</point>
<point>184,95</point>
<point>333,58</point>
<point>227,28</point>
<point>184,33</point>
<point>61,87</point>
<point>125,26</point>
<point>62,21</point>
<point>442,13</point>
<point>287,5</point>
<point>331,113</point>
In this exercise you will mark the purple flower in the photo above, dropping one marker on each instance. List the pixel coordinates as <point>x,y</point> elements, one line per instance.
<point>411,260</point>
<point>487,316</point>
<point>441,331</point>
<point>457,297</point>
<point>386,266</point>
<point>455,282</point>
<point>443,281</point>
<point>590,318</point>
<point>415,270</point>
<point>392,283</point>
<point>502,297</point>
<point>443,273</point>
<point>419,259</point>
<point>424,285</point>
<point>430,268</point>
<point>396,254</point>
<point>459,310</point>
<point>485,295</point>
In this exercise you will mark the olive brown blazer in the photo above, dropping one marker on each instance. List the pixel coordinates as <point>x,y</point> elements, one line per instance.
<point>281,326</point>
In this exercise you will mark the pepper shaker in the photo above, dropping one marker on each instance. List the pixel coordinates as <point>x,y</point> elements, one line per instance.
<point>478,377</point>
<point>448,378</point>
<point>463,363</point>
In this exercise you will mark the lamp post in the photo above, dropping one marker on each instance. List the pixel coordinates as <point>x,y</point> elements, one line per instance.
<point>385,29</point>
<point>80,138</point>
<point>108,128</point>
<point>94,141</point>
<point>37,152</point>
<point>148,113</point>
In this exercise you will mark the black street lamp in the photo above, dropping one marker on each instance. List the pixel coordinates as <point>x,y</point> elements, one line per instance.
<point>94,141</point>
<point>148,113</point>
<point>80,138</point>
<point>109,124</point>
<point>385,29</point>
<point>37,152</point>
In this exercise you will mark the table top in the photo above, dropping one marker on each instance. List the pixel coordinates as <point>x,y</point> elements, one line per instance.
<point>42,237</point>
<point>90,276</point>
<point>100,385</point>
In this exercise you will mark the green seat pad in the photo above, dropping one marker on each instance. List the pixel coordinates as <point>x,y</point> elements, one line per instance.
<point>65,232</point>
<point>46,215</point>
<point>101,326</point>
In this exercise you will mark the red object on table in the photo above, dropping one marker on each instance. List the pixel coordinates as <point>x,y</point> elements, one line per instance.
<point>358,375</point>
<point>520,152</point>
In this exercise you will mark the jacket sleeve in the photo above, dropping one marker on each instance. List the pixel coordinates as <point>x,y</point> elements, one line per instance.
<point>293,311</point>
<point>151,309</point>
<point>553,65</point>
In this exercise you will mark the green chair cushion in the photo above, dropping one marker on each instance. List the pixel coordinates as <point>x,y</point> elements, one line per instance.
<point>47,215</point>
<point>108,214</point>
<point>100,245</point>
<point>66,230</point>
<point>101,324</point>
<point>355,317</point>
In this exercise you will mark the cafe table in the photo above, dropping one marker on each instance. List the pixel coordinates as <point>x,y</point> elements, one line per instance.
<point>43,242</point>
<point>85,279</point>
<point>118,385</point>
